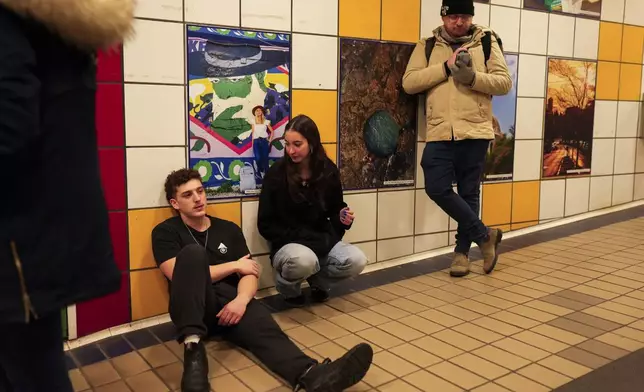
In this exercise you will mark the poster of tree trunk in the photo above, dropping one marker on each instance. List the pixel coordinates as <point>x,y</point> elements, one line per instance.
<point>570,113</point>
<point>499,163</point>
<point>238,106</point>
<point>377,118</point>
<point>589,8</point>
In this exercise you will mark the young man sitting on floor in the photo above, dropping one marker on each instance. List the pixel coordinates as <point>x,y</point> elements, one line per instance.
<point>213,281</point>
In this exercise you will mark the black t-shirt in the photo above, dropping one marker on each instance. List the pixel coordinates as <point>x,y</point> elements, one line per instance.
<point>226,242</point>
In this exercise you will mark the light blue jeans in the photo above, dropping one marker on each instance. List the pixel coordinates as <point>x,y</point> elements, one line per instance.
<point>294,263</point>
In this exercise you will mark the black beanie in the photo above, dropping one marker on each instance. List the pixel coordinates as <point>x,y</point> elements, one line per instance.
<point>457,7</point>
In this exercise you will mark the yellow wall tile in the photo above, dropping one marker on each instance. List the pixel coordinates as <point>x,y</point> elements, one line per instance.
<point>610,41</point>
<point>140,225</point>
<point>360,18</point>
<point>227,211</point>
<point>332,151</point>
<point>630,82</point>
<point>633,44</point>
<point>149,293</point>
<point>497,204</point>
<point>401,20</point>
<point>525,201</point>
<point>322,107</point>
<point>518,226</point>
<point>607,80</point>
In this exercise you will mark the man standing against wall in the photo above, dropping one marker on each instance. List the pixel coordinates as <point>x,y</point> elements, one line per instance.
<point>459,69</point>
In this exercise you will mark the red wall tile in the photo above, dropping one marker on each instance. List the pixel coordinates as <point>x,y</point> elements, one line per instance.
<point>112,164</point>
<point>105,312</point>
<point>118,232</point>
<point>109,115</point>
<point>110,67</point>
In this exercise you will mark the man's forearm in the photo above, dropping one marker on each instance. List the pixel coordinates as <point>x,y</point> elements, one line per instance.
<point>221,271</point>
<point>247,288</point>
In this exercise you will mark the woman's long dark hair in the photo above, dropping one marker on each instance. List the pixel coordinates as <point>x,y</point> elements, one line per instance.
<point>305,126</point>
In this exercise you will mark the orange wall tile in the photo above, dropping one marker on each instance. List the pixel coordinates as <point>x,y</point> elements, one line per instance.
<point>633,44</point>
<point>610,41</point>
<point>332,151</point>
<point>607,80</point>
<point>398,18</point>
<point>227,211</point>
<point>630,82</point>
<point>322,107</point>
<point>525,201</point>
<point>519,226</point>
<point>140,225</point>
<point>149,293</point>
<point>360,18</point>
<point>497,204</point>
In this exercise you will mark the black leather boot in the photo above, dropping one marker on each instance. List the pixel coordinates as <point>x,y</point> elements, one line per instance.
<point>340,374</point>
<point>195,368</point>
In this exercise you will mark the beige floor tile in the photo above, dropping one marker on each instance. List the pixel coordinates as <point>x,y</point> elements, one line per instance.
<point>491,280</point>
<point>228,383</point>
<point>565,302</point>
<point>323,311</point>
<point>350,341</point>
<point>609,315</point>
<point>460,312</point>
<point>428,382</point>
<point>369,317</point>
<point>305,336</point>
<point>437,347</point>
<point>476,306</point>
<point>520,272</point>
<point>540,287</point>
<point>100,373</point>
<point>284,321</point>
<point>551,280</point>
<point>146,382</point>
<point>576,327</point>
<point>638,325</point>
<point>329,350</point>
<point>480,366</point>
<point>630,333</point>
<point>532,313</point>
<point>559,334</point>
<point>629,301</point>
<point>232,359</point>
<point>526,291</point>
<point>608,287</point>
<point>361,300</point>
<point>630,283</point>
<point>258,379</point>
<point>623,309</point>
<point>171,375</point>
<point>596,322</point>
<point>313,355</point>
<point>510,278</point>
<point>501,357</point>
<point>380,338</point>
<point>389,311</point>
<point>430,281</point>
<point>602,349</point>
<point>443,295</point>
<point>519,383</point>
<point>548,307</point>
<point>426,300</point>
<point>569,276</point>
<point>493,301</point>
<point>328,329</point>
<point>598,268</point>
<point>476,332</point>
<point>413,285</point>
<point>302,316</point>
<point>401,331</point>
<point>158,355</point>
<point>349,323</point>
<point>421,324</point>
<point>521,349</point>
<point>490,324</point>
<point>533,267</point>
<point>415,355</point>
<point>476,286</point>
<point>580,297</point>
<point>408,305</point>
<point>639,294</point>
<point>119,386</point>
<point>177,348</point>
<point>378,294</point>
<point>491,387</point>
<point>78,380</point>
<point>394,364</point>
<point>544,376</point>
<point>583,357</point>
<point>457,375</point>
<point>359,387</point>
<point>343,305</point>
<point>510,296</point>
<point>398,386</point>
<point>377,376</point>
<point>441,318</point>
<point>564,366</point>
<point>458,340</point>
<point>514,319</point>
<point>396,289</point>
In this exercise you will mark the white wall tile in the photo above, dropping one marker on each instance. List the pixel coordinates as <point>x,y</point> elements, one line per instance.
<point>154,115</point>
<point>429,217</point>
<point>551,203</point>
<point>315,62</point>
<point>639,156</point>
<point>481,14</point>
<point>222,13</point>
<point>370,250</point>
<point>613,10</point>
<point>527,160</point>
<point>627,118</point>
<point>266,14</point>
<point>256,243</point>
<point>267,278</point>
<point>160,9</point>
<point>605,119</point>
<point>625,156</point>
<point>586,38</point>
<point>603,157</point>
<point>395,214</point>
<point>505,22</point>
<point>561,35</point>
<point>530,114</point>
<point>509,3</point>
<point>623,189</point>
<point>452,238</point>
<point>155,55</point>
<point>639,187</point>
<point>534,27</point>
<point>392,249</point>
<point>364,206</point>
<point>532,76</point>
<point>147,169</point>
<point>427,242</point>
<point>315,16</point>
<point>601,192</point>
<point>577,195</point>
<point>430,17</point>
<point>634,12</point>
<point>420,174</point>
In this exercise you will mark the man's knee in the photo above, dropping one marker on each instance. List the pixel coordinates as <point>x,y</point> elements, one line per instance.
<point>295,262</point>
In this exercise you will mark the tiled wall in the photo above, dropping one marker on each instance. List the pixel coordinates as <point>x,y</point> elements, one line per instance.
<point>142,124</point>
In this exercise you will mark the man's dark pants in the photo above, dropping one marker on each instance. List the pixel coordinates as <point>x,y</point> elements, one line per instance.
<point>195,303</point>
<point>463,162</point>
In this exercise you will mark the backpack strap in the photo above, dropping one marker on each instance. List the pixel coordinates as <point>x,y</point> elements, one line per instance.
<point>486,41</point>
<point>429,47</point>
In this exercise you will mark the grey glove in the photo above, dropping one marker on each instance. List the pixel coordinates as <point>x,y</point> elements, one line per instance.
<point>462,70</point>
<point>464,57</point>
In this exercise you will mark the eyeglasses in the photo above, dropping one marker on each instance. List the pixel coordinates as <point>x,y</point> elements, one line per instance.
<point>456,17</point>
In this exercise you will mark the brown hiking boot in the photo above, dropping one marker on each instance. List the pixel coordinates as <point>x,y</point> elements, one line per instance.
<point>460,265</point>
<point>489,250</point>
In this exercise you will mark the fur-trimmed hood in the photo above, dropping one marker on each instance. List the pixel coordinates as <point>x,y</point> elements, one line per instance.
<point>89,24</point>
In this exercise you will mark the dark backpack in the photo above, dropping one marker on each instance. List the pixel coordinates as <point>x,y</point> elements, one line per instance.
<point>486,42</point>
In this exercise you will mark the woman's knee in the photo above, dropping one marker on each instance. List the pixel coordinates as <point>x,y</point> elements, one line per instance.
<point>356,260</point>
<point>295,262</point>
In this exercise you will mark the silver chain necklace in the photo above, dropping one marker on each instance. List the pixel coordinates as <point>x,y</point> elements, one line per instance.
<point>205,245</point>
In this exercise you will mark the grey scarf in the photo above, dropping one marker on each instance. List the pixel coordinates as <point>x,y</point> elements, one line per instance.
<point>452,40</point>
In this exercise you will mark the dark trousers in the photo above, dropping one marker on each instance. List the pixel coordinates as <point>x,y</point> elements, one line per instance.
<point>32,357</point>
<point>462,162</point>
<point>195,302</point>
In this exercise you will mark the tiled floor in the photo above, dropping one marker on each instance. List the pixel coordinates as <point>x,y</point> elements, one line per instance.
<point>551,313</point>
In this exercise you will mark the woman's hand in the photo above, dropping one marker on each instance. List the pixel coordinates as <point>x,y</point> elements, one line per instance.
<point>346,216</point>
